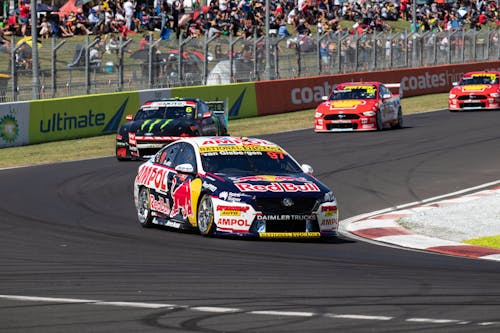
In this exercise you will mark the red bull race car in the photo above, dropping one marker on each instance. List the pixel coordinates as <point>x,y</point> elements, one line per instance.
<point>359,106</point>
<point>231,186</point>
<point>159,122</point>
<point>478,90</point>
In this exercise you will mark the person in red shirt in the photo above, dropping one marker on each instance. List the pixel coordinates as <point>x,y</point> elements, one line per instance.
<point>482,19</point>
<point>24,16</point>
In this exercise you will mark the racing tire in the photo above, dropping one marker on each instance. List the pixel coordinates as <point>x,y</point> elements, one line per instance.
<point>205,218</point>
<point>380,125</point>
<point>400,120</point>
<point>144,208</point>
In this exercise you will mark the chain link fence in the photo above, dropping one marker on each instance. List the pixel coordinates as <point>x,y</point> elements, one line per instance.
<point>66,67</point>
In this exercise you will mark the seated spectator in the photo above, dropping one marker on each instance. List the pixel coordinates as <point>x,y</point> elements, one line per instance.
<point>4,42</point>
<point>95,58</point>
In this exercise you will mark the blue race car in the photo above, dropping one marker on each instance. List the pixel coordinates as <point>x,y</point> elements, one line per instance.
<point>233,186</point>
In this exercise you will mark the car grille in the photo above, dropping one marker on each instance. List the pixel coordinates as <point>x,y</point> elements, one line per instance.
<point>472,97</point>
<point>344,116</point>
<point>473,105</point>
<point>275,206</point>
<point>341,126</point>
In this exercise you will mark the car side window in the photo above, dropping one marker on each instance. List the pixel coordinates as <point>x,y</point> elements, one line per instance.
<point>383,91</point>
<point>167,155</point>
<point>186,155</point>
<point>202,109</point>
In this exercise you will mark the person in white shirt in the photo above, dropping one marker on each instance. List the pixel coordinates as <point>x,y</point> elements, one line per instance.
<point>129,9</point>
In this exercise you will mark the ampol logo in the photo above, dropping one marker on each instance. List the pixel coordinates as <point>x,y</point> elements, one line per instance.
<point>9,128</point>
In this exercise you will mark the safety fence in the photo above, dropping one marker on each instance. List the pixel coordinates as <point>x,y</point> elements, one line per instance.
<point>68,67</point>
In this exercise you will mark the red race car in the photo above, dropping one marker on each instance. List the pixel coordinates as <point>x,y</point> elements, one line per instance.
<point>475,91</point>
<point>359,106</point>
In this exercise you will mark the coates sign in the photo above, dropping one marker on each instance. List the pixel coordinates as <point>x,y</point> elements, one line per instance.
<point>282,96</point>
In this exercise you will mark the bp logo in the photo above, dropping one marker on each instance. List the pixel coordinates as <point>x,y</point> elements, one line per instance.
<point>9,129</point>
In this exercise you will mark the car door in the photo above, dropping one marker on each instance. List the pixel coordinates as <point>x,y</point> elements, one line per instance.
<point>388,107</point>
<point>183,202</point>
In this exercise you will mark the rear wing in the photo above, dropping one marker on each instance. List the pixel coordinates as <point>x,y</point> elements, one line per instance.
<point>220,108</point>
<point>393,86</point>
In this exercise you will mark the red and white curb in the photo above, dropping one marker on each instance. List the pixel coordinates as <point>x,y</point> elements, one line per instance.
<point>382,226</point>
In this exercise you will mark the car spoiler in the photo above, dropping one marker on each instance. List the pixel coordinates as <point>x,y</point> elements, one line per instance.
<point>220,108</point>
<point>394,86</point>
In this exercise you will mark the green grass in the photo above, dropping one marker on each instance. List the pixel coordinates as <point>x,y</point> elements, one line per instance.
<point>105,145</point>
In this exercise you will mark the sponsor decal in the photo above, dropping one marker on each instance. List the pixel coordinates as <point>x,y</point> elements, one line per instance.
<point>278,187</point>
<point>161,205</point>
<point>347,104</point>
<point>285,217</point>
<point>150,175</point>
<point>368,89</point>
<point>427,81</point>
<point>181,199</point>
<point>474,87</point>
<point>232,222</point>
<point>9,128</point>
<point>231,196</point>
<point>243,209</point>
<point>491,76</point>
<point>234,141</point>
<point>328,222</point>
<point>65,122</point>
<point>289,235</point>
<point>210,187</point>
<point>239,148</point>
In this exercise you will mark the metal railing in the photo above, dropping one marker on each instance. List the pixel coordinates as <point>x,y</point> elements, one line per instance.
<point>66,69</point>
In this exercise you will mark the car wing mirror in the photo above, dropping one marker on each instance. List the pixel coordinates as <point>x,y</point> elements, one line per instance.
<point>454,84</point>
<point>386,96</point>
<point>185,168</point>
<point>324,98</point>
<point>307,169</point>
<point>129,117</point>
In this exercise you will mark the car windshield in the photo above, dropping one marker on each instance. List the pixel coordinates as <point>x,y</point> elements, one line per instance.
<point>479,79</point>
<point>351,92</point>
<point>249,163</point>
<point>164,112</point>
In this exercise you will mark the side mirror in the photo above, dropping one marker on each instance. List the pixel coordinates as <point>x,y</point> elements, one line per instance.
<point>386,96</point>
<point>184,168</point>
<point>206,114</point>
<point>454,84</point>
<point>129,117</point>
<point>307,169</point>
<point>324,98</point>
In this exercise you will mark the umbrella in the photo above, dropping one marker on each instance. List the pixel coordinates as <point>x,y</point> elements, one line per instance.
<point>27,40</point>
<point>81,2</point>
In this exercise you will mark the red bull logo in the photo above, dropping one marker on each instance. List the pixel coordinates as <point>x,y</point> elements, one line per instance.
<point>181,199</point>
<point>278,187</point>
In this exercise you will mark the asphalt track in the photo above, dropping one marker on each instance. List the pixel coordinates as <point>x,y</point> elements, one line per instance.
<point>74,258</point>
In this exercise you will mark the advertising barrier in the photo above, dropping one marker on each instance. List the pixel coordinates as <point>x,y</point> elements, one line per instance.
<point>47,120</point>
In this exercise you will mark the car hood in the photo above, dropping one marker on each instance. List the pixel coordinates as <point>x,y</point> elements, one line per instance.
<point>158,126</point>
<point>245,187</point>
<point>347,106</point>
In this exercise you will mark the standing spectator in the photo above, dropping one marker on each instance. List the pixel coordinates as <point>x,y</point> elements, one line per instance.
<point>129,9</point>
<point>24,16</point>
<point>45,28</point>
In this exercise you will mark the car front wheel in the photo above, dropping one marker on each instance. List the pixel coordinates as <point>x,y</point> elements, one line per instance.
<point>206,216</point>
<point>144,208</point>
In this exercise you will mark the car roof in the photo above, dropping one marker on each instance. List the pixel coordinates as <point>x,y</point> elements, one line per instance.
<point>170,100</point>
<point>360,83</point>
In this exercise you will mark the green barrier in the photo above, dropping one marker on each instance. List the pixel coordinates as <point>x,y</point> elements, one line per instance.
<point>78,117</point>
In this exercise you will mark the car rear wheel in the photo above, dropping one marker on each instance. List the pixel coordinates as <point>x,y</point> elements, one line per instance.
<point>400,119</point>
<point>144,208</point>
<point>206,216</point>
<point>380,125</point>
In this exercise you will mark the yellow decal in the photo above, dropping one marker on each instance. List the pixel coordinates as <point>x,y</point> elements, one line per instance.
<point>491,76</point>
<point>189,109</point>
<point>241,148</point>
<point>346,104</point>
<point>195,194</point>
<point>230,213</point>
<point>369,89</point>
<point>474,87</point>
<point>289,235</point>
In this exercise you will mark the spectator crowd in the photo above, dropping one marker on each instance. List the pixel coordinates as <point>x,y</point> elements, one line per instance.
<point>245,18</point>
